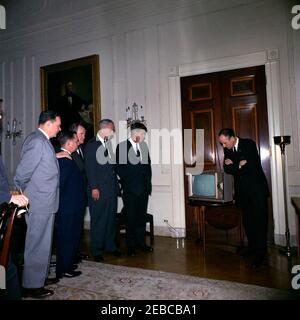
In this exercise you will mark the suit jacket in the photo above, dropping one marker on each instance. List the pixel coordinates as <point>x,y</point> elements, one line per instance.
<point>100,173</point>
<point>79,161</point>
<point>4,188</point>
<point>38,173</point>
<point>250,177</point>
<point>71,187</point>
<point>80,164</point>
<point>135,176</point>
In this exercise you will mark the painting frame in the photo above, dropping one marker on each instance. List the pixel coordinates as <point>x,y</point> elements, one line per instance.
<point>90,63</point>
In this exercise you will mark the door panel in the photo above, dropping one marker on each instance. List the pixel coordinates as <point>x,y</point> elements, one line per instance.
<point>244,121</point>
<point>204,119</point>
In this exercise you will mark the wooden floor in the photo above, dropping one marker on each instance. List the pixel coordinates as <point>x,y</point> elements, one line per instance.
<point>219,262</point>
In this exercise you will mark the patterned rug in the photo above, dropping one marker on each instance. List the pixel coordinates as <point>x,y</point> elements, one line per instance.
<point>101,281</point>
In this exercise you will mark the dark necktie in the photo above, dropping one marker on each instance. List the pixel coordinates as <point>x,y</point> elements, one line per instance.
<point>105,152</point>
<point>80,153</point>
<point>138,153</point>
<point>234,149</point>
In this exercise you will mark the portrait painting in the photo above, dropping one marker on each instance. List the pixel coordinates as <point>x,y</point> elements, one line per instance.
<point>72,89</point>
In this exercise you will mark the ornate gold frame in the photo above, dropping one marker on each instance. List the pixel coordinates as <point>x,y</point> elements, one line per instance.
<point>92,60</point>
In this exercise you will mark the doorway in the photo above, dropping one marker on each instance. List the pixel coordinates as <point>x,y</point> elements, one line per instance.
<point>235,99</point>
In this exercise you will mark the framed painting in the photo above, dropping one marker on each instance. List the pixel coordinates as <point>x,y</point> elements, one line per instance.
<point>72,88</point>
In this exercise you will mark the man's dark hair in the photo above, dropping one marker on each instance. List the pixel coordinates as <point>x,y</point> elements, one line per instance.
<point>227,132</point>
<point>64,136</point>
<point>74,126</point>
<point>47,115</point>
<point>104,122</point>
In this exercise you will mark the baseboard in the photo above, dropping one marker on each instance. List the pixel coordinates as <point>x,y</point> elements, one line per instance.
<point>158,231</point>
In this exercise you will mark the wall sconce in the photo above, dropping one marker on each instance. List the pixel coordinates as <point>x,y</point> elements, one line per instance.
<point>132,115</point>
<point>282,141</point>
<point>13,132</point>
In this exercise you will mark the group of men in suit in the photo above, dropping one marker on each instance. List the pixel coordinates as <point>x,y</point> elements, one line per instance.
<point>60,184</point>
<point>132,164</point>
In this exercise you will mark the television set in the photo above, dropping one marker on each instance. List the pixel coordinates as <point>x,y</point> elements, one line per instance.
<point>211,185</point>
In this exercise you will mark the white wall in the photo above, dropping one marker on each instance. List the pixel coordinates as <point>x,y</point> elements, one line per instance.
<point>140,43</point>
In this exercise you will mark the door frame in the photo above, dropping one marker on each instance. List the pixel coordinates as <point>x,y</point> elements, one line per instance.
<point>270,59</point>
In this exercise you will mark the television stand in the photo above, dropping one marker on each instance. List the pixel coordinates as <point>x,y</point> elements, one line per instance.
<point>200,213</point>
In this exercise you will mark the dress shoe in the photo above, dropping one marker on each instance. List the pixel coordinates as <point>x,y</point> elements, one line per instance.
<point>74,266</point>
<point>51,281</point>
<point>71,274</point>
<point>131,252</point>
<point>98,258</point>
<point>37,293</point>
<point>83,256</point>
<point>146,248</point>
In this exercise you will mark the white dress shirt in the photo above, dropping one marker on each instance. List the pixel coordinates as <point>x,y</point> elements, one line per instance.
<point>44,133</point>
<point>103,143</point>
<point>136,147</point>
<point>236,144</point>
<point>66,151</point>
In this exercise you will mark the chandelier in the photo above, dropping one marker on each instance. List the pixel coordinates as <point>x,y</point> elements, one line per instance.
<point>135,114</point>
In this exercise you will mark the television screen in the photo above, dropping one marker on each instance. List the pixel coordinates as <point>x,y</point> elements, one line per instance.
<point>204,185</point>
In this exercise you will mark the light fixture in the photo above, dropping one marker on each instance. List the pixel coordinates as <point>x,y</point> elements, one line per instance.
<point>13,133</point>
<point>282,141</point>
<point>132,115</point>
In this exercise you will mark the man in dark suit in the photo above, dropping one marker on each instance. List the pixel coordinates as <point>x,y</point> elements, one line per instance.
<point>241,160</point>
<point>12,291</point>
<point>134,169</point>
<point>68,219</point>
<point>102,191</point>
<point>78,157</point>
<point>78,154</point>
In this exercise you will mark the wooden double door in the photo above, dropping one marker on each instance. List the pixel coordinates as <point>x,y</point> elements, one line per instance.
<point>233,99</point>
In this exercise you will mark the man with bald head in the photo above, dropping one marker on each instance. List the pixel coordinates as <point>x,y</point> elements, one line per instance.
<point>102,191</point>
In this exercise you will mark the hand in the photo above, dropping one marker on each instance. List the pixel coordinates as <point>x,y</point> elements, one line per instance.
<point>63,154</point>
<point>95,194</point>
<point>228,162</point>
<point>242,163</point>
<point>20,200</point>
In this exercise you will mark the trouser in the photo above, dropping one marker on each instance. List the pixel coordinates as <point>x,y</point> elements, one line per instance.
<point>37,249</point>
<point>103,224</point>
<point>135,218</point>
<point>68,232</point>
<point>255,221</point>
